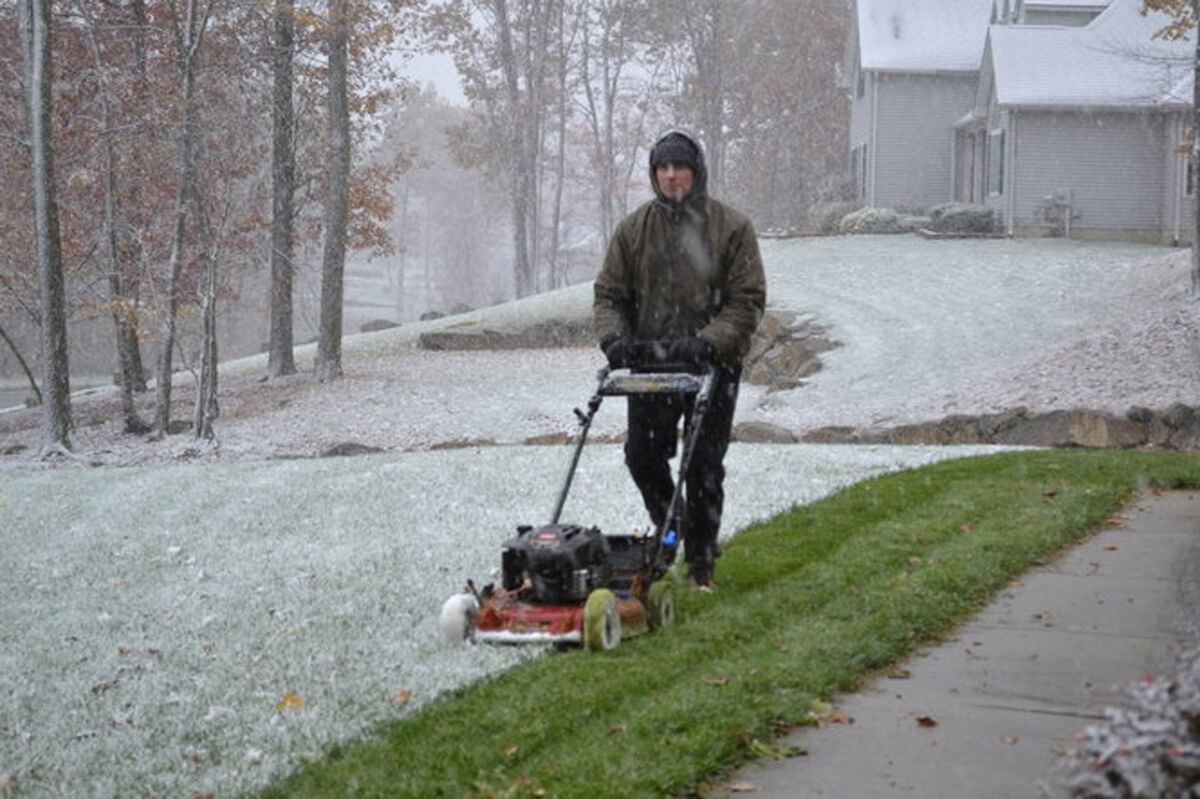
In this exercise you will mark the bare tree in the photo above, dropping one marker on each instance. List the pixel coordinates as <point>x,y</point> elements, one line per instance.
<point>189,35</point>
<point>36,51</point>
<point>609,45</point>
<point>502,49</point>
<point>333,262</point>
<point>122,284</point>
<point>280,358</point>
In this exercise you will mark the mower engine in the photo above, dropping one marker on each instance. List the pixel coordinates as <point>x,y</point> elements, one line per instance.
<point>561,563</point>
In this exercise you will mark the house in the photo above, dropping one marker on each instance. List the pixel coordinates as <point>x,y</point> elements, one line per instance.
<point>915,72</point>
<point>1076,130</point>
<point>1074,126</point>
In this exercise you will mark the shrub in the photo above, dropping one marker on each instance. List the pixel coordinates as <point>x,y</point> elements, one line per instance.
<point>825,218</point>
<point>962,218</point>
<point>871,220</point>
<point>1149,749</point>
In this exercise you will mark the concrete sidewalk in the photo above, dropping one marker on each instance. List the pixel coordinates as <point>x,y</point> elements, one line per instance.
<point>987,714</point>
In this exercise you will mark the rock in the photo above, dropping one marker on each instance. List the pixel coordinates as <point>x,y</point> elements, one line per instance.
<point>1186,436</point>
<point>784,350</point>
<point>376,325</point>
<point>763,433</point>
<point>347,448</point>
<point>1073,428</point>
<point>464,443</point>
<point>1177,428</point>
<point>542,335</point>
<point>831,435</point>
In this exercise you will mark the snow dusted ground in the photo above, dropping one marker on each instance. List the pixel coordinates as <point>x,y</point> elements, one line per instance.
<point>208,619</point>
<point>927,328</point>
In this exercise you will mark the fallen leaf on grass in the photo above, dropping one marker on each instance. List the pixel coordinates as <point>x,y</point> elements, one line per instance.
<point>899,673</point>
<point>512,750</point>
<point>616,728</point>
<point>914,561</point>
<point>926,721</point>
<point>290,701</point>
<point>713,679</point>
<point>774,751</point>
<point>966,528</point>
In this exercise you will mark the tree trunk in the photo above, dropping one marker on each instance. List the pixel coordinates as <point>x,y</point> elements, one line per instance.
<point>206,389</point>
<point>189,38</point>
<point>522,190</point>
<point>37,392</point>
<point>122,304</point>
<point>333,262</point>
<point>280,358</point>
<point>56,407</point>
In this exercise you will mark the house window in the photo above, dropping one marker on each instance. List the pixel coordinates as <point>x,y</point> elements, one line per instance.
<point>1190,179</point>
<point>995,174</point>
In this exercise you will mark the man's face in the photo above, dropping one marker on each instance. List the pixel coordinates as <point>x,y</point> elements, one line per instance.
<point>674,180</point>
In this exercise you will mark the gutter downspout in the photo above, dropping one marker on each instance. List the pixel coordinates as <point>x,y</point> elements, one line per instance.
<point>1180,189</point>
<point>1010,167</point>
<point>873,150</point>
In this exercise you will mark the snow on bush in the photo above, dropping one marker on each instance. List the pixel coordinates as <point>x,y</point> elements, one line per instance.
<point>871,220</point>
<point>962,218</point>
<point>1146,750</point>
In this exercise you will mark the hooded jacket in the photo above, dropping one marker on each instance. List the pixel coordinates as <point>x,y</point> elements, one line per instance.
<point>683,269</point>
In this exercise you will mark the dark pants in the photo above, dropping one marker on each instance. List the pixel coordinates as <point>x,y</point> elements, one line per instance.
<point>652,442</point>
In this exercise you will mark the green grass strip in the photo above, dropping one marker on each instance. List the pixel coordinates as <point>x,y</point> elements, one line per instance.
<point>810,603</point>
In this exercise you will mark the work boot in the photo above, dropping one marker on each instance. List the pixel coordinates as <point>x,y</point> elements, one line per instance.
<point>700,575</point>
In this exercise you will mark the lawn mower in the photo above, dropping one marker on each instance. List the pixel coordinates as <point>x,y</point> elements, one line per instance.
<point>570,584</point>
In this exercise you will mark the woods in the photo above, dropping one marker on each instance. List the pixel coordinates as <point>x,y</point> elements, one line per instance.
<point>229,173</point>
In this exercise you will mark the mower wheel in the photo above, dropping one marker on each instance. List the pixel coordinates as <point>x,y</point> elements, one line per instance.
<point>457,620</point>
<point>660,604</point>
<point>601,621</point>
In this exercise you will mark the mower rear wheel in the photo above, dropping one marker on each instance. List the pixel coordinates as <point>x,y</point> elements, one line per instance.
<point>660,604</point>
<point>457,620</point>
<point>601,621</point>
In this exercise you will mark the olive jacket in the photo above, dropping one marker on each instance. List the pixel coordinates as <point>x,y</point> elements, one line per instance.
<point>683,269</point>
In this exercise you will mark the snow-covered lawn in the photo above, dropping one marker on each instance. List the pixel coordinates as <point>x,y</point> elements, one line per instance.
<point>190,629</point>
<point>198,630</point>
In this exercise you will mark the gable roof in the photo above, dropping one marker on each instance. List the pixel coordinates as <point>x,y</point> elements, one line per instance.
<point>1113,62</point>
<point>922,35</point>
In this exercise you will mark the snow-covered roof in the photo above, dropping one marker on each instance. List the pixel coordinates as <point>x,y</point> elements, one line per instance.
<point>1066,3</point>
<point>922,35</point>
<point>1113,62</point>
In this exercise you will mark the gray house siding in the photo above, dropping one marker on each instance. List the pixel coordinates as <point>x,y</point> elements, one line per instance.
<point>1108,165</point>
<point>913,136</point>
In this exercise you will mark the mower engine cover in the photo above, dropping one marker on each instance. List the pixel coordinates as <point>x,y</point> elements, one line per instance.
<point>561,562</point>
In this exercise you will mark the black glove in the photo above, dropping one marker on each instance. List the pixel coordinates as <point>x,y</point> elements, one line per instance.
<point>691,351</point>
<point>619,352</point>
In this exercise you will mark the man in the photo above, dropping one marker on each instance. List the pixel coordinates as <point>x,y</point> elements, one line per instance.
<point>685,269</point>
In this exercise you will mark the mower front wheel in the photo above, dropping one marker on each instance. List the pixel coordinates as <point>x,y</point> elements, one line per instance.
<point>457,620</point>
<point>660,604</point>
<point>601,621</point>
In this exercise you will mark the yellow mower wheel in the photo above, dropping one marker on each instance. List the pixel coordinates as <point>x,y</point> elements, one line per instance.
<point>660,604</point>
<point>601,621</point>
